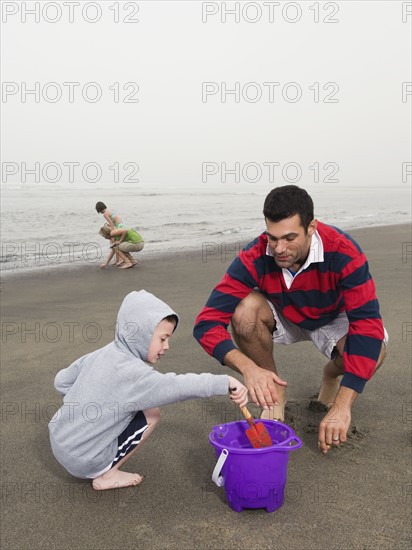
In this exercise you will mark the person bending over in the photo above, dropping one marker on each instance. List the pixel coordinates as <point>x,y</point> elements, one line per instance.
<point>301,279</point>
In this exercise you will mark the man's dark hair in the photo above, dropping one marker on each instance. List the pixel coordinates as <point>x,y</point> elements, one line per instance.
<point>100,206</point>
<point>284,202</point>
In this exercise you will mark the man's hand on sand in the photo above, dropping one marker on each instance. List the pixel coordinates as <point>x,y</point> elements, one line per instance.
<point>334,427</point>
<point>261,386</point>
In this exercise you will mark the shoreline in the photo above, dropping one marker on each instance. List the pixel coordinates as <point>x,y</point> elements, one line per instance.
<point>149,256</point>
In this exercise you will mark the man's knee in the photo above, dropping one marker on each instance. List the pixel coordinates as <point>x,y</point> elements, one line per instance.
<point>340,346</point>
<point>252,312</point>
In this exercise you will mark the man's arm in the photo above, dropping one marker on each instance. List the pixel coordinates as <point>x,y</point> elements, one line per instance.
<point>211,324</point>
<point>363,346</point>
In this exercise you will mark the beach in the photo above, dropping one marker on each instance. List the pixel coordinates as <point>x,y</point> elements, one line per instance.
<point>358,496</point>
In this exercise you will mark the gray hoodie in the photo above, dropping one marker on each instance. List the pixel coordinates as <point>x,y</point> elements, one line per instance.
<point>104,389</point>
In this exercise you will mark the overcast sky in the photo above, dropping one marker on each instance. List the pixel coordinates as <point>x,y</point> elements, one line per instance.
<point>312,82</point>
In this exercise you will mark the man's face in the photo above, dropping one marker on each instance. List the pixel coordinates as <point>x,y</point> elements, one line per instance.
<point>289,242</point>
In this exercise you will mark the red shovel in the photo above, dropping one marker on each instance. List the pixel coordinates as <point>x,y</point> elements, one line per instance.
<point>257,433</point>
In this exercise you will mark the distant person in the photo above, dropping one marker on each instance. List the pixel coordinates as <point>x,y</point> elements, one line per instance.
<point>114,221</point>
<point>124,241</point>
<point>112,218</point>
<point>112,395</point>
<point>299,280</point>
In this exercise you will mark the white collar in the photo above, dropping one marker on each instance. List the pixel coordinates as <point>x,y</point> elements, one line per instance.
<point>315,255</point>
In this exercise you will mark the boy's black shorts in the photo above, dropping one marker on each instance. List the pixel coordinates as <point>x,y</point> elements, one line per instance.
<point>130,436</point>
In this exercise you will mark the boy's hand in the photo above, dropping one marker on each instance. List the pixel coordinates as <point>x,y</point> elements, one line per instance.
<point>238,392</point>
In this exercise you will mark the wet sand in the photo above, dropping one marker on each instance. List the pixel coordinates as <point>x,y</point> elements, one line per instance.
<point>358,496</point>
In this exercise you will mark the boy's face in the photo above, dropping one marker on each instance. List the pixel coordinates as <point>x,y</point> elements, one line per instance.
<point>159,343</point>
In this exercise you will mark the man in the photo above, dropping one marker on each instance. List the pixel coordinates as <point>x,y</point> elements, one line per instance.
<point>299,280</point>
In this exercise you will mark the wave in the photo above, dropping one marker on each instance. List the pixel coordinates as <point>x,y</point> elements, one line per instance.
<point>230,231</point>
<point>6,259</point>
<point>184,224</point>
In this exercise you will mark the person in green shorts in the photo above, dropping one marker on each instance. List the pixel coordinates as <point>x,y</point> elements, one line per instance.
<point>124,241</point>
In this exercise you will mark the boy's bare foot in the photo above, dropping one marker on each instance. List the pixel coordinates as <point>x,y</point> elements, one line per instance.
<point>126,265</point>
<point>115,479</point>
<point>118,263</point>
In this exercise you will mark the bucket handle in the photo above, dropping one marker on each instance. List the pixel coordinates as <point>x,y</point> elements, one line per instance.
<point>287,446</point>
<point>216,477</point>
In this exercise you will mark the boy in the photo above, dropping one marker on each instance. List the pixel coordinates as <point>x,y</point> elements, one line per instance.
<point>112,395</point>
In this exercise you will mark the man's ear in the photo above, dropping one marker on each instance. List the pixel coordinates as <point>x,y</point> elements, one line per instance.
<point>312,227</point>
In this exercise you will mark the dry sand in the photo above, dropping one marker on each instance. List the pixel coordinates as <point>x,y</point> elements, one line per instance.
<point>356,497</point>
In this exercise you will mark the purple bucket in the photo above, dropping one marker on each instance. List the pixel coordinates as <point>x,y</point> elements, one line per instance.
<point>253,478</point>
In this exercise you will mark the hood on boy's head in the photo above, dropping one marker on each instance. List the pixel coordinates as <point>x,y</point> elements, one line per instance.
<point>138,316</point>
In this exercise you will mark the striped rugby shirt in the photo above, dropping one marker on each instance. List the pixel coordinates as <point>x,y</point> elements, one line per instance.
<point>335,278</point>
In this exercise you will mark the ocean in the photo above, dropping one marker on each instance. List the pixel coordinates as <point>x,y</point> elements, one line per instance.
<point>48,226</point>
